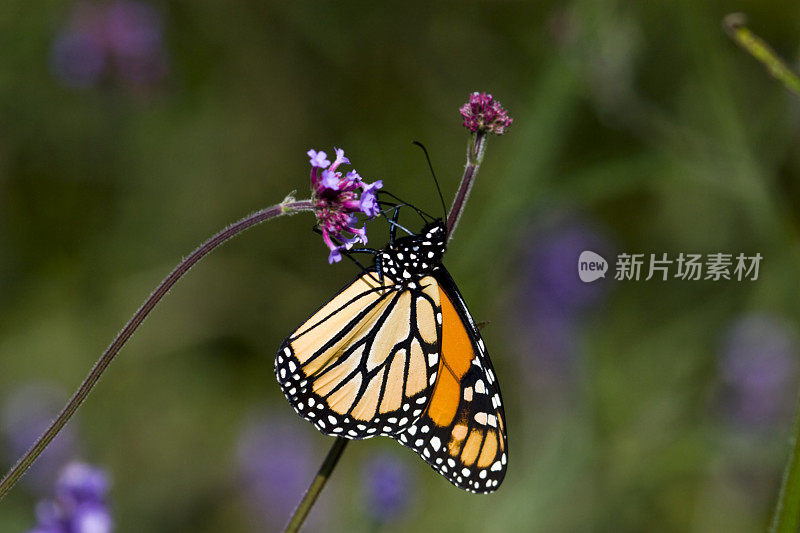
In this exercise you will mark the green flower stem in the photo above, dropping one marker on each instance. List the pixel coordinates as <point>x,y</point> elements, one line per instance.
<point>735,26</point>
<point>786,518</point>
<point>317,485</point>
<point>287,207</point>
<point>475,151</point>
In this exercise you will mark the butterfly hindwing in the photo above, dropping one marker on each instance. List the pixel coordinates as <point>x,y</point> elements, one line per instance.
<point>363,364</point>
<point>461,432</point>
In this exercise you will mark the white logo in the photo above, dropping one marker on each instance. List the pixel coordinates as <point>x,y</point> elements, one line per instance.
<point>591,266</point>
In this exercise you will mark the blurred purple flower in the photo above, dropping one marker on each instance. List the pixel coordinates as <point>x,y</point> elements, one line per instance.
<point>553,265</point>
<point>83,483</point>
<point>78,58</point>
<point>79,505</point>
<point>553,298</point>
<point>121,39</point>
<point>387,487</point>
<point>485,114</point>
<point>276,464</point>
<point>26,413</point>
<point>336,201</point>
<point>135,40</point>
<point>758,367</point>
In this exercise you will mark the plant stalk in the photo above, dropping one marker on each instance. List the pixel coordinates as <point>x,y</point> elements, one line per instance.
<point>475,151</point>
<point>735,25</point>
<point>287,207</point>
<point>786,518</point>
<point>317,485</point>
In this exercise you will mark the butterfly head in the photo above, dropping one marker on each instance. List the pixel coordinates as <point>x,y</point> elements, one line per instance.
<point>409,258</point>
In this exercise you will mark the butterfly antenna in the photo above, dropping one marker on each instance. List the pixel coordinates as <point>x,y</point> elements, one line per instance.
<point>430,165</point>
<point>403,203</point>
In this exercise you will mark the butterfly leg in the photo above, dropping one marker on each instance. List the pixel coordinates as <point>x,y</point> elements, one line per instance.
<point>393,224</point>
<point>378,267</point>
<point>372,251</point>
<point>354,260</point>
<point>347,253</point>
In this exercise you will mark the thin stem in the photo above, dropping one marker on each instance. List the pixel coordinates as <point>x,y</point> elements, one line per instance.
<point>287,207</point>
<point>317,485</point>
<point>475,151</point>
<point>735,26</point>
<point>786,518</point>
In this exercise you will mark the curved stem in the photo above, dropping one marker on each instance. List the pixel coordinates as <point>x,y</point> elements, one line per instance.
<point>475,150</point>
<point>287,207</point>
<point>317,485</point>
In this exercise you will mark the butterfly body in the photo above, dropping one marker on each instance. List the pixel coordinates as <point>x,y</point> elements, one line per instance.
<point>396,353</point>
<point>409,259</point>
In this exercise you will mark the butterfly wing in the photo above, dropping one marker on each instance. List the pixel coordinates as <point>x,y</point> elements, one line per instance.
<point>363,364</point>
<point>461,432</point>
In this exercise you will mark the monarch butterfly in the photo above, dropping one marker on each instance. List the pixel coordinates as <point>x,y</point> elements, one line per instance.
<point>397,353</point>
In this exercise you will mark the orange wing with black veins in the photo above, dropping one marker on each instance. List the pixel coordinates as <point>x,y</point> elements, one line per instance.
<point>461,433</point>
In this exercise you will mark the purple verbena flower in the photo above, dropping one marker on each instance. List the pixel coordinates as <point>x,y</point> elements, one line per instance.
<point>337,198</point>
<point>80,503</point>
<point>329,180</point>
<point>387,487</point>
<point>318,159</point>
<point>369,202</point>
<point>482,113</point>
<point>759,370</point>
<point>340,159</point>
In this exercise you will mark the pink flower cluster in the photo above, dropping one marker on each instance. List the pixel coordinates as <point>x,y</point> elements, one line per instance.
<point>337,198</point>
<point>485,114</point>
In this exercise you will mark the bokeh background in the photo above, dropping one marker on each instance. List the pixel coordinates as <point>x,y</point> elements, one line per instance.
<point>132,130</point>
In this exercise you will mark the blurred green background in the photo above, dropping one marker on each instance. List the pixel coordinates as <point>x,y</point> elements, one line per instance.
<point>639,127</point>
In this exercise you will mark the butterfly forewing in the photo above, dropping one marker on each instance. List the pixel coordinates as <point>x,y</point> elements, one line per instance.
<point>364,363</point>
<point>461,432</point>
